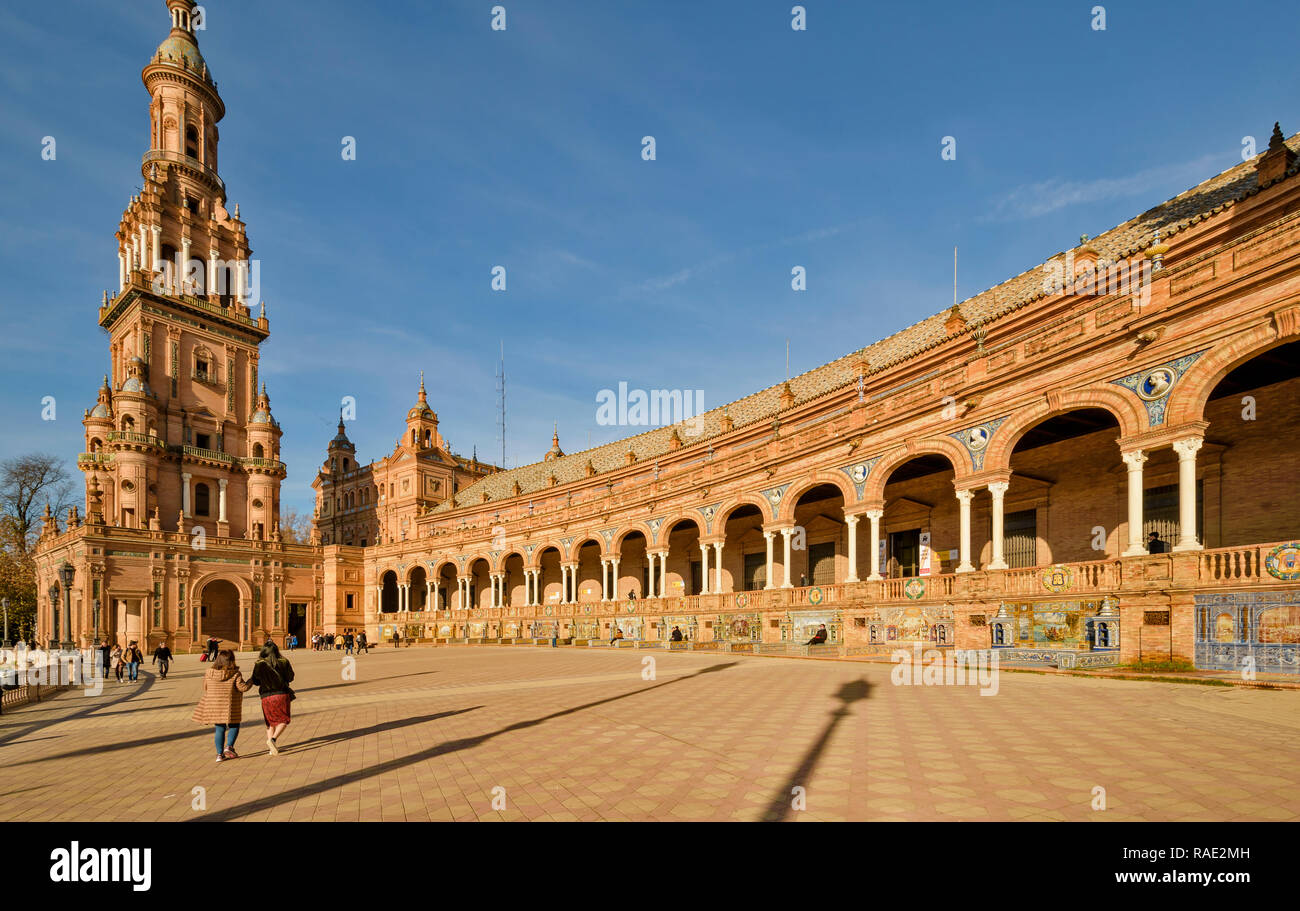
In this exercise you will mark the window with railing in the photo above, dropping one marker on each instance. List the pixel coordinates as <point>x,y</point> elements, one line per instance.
<point>1020,538</point>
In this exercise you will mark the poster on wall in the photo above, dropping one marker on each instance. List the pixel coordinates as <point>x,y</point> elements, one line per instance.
<point>925,553</point>
<point>883,562</point>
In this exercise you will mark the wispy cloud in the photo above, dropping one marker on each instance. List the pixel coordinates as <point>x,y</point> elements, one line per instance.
<point>1035,199</point>
<point>681,276</point>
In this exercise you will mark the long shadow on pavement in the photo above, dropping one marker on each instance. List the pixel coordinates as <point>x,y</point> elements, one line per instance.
<point>451,746</point>
<point>135,691</point>
<point>849,693</point>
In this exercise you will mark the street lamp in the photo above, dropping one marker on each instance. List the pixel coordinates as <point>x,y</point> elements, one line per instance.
<point>66,574</point>
<point>4,604</point>
<point>95,643</point>
<point>54,612</point>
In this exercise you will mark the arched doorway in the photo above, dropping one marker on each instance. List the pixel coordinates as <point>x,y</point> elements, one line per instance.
<point>480,583</point>
<point>1248,466</point>
<point>549,576</point>
<point>744,553</point>
<point>1066,476</point>
<point>921,526</point>
<point>419,590</point>
<point>219,611</point>
<point>823,560</point>
<point>685,567</point>
<point>389,600</point>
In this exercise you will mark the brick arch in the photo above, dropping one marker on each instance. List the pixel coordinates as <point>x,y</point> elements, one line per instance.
<point>434,567</point>
<point>381,571</point>
<point>617,548</point>
<point>1192,391</point>
<point>241,585</point>
<point>583,539</point>
<point>500,565</point>
<point>734,503</point>
<point>799,488</point>
<point>685,515</point>
<point>471,559</point>
<point>410,571</point>
<point>1123,406</point>
<point>874,491</point>
<point>536,561</point>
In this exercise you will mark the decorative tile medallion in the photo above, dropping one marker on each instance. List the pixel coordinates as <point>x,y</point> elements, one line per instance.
<point>915,588</point>
<point>1057,578</point>
<point>859,473</point>
<point>774,496</point>
<point>1154,384</point>
<point>815,596</point>
<point>1283,561</point>
<point>976,440</point>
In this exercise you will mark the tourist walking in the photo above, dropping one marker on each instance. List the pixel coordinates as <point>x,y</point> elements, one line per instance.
<point>272,675</point>
<point>362,644</point>
<point>222,702</point>
<point>213,645</point>
<point>348,642</point>
<point>115,658</point>
<point>162,656</point>
<point>105,657</point>
<point>133,657</point>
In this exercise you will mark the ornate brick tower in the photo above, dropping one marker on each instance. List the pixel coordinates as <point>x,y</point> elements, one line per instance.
<point>180,435</point>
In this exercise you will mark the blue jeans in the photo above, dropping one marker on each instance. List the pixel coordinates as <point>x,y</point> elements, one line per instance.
<point>134,668</point>
<point>225,736</point>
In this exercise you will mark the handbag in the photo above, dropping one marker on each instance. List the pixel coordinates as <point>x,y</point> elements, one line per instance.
<point>203,657</point>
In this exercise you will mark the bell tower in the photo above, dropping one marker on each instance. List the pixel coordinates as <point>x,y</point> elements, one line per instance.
<point>179,430</point>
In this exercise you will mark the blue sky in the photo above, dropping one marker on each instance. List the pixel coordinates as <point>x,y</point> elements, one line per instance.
<point>522,148</point>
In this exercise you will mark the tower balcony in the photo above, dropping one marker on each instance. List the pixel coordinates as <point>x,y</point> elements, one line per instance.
<point>90,460</point>
<point>200,170</point>
<point>126,439</point>
<point>196,453</point>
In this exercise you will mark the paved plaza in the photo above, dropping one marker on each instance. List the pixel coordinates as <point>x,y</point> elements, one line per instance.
<point>576,734</point>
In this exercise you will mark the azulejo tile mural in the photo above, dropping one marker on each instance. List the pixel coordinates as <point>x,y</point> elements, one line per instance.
<point>1249,630</point>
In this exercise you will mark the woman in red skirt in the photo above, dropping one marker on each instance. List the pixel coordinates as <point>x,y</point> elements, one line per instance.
<point>272,674</point>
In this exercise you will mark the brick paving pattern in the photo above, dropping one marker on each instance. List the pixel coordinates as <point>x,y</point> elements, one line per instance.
<point>427,734</point>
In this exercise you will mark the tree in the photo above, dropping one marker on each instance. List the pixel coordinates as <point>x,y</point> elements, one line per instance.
<point>27,484</point>
<point>295,527</point>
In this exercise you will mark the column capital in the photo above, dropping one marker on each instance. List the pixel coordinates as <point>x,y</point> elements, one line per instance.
<point>221,482</point>
<point>875,514</point>
<point>965,494</point>
<point>1134,459</point>
<point>998,488</point>
<point>1188,447</point>
<point>852,519</point>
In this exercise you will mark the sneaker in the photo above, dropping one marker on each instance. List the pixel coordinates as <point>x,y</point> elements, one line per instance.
<point>270,743</point>
<point>230,754</point>
<point>221,759</point>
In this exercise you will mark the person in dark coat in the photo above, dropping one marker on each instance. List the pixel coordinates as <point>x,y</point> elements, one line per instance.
<point>162,656</point>
<point>1155,545</point>
<point>677,634</point>
<point>272,675</point>
<point>819,637</point>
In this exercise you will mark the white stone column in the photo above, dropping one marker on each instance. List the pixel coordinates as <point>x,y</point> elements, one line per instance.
<point>786,534</point>
<point>428,594</point>
<point>964,497</point>
<point>875,515</point>
<point>436,597</point>
<point>650,576</point>
<point>241,279</point>
<point>212,271</point>
<point>704,569</point>
<point>1134,460</point>
<point>144,246</point>
<point>530,587</point>
<point>185,266</point>
<point>156,250</point>
<point>185,493</point>
<point>221,499</point>
<point>999,490</point>
<point>768,536</point>
<point>613,579</point>
<point>1187,450</point>
<point>379,598</point>
<point>852,522</point>
<point>121,269</point>
<point>717,565</point>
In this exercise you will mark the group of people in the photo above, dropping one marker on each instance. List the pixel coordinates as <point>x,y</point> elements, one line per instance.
<point>125,662</point>
<point>224,685</point>
<point>347,642</point>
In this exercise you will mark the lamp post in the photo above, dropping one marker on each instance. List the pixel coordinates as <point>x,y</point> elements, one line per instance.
<point>95,643</point>
<point>54,613</point>
<point>66,574</point>
<point>4,605</point>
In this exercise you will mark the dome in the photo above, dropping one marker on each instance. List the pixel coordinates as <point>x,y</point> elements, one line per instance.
<point>420,411</point>
<point>136,384</point>
<point>181,51</point>
<point>260,417</point>
<point>102,410</point>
